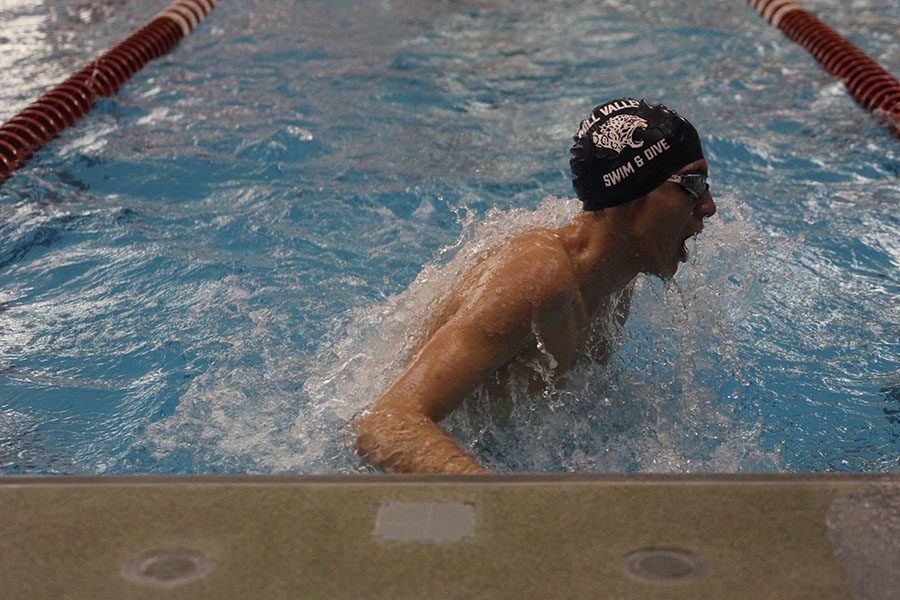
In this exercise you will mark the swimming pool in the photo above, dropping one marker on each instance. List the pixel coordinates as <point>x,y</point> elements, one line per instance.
<point>209,273</point>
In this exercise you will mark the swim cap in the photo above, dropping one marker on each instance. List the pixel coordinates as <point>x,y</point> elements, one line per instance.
<point>627,149</point>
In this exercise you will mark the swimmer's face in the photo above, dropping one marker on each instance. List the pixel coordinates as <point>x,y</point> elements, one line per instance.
<point>666,218</point>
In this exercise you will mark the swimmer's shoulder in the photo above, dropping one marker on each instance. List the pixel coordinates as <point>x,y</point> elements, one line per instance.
<point>533,267</point>
<point>540,252</point>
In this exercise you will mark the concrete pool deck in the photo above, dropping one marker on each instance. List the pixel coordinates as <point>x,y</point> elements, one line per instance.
<point>825,536</point>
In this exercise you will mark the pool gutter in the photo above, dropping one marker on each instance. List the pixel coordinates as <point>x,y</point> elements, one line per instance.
<point>786,536</point>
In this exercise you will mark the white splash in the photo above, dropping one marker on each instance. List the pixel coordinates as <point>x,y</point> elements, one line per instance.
<point>645,410</point>
<point>665,401</point>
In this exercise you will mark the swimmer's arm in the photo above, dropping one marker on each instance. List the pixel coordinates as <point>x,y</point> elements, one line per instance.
<point>400,433</point>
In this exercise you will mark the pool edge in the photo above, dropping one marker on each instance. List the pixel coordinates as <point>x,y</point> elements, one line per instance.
<point>524,535</point>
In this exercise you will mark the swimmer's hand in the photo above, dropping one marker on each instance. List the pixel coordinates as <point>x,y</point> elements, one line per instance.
<point>404,441</point>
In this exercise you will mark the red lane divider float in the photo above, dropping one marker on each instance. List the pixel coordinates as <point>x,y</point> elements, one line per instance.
<point>869,84</point>
<point>67,102</point>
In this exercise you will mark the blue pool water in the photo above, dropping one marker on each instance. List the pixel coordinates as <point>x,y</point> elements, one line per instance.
<point>218,267</point>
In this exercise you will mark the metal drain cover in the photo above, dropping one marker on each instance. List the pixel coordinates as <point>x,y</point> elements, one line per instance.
<point>664,565</point>
<point>168,568</point>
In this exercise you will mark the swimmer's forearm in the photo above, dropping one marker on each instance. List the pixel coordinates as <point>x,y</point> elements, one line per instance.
<point>410,442</point>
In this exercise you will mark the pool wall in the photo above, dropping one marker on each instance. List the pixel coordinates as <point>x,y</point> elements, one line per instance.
<point>821,536</point>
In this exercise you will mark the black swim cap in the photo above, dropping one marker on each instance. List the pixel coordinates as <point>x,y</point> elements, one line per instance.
<point>628,148</point>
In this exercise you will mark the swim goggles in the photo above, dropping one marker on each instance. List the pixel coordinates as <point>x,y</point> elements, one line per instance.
<point>693,183</point>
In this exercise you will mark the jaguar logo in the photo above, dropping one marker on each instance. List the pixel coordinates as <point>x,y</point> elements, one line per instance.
<point>618,133</point>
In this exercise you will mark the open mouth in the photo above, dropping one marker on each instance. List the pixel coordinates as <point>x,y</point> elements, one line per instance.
<point>683,251</point>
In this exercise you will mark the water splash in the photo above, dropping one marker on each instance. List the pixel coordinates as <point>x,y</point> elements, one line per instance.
<point>655,405</point>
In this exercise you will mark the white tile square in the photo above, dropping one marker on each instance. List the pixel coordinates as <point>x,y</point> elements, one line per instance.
<point>425,521</point>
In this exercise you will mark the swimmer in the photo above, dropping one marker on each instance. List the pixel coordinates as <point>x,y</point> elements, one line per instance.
<point>640,174</point>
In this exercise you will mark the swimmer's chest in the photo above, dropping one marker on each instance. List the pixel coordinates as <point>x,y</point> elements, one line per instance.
<point>551,354</point>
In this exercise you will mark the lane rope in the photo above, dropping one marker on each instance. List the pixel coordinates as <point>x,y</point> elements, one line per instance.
<point>868,83</point>
<point>67,102</point>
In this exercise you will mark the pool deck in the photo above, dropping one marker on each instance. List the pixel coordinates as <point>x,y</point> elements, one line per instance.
<point>825,536</point>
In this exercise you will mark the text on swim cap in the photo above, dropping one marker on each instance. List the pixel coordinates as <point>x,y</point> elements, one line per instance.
<point>638,161</point>
<point>612,107</point>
